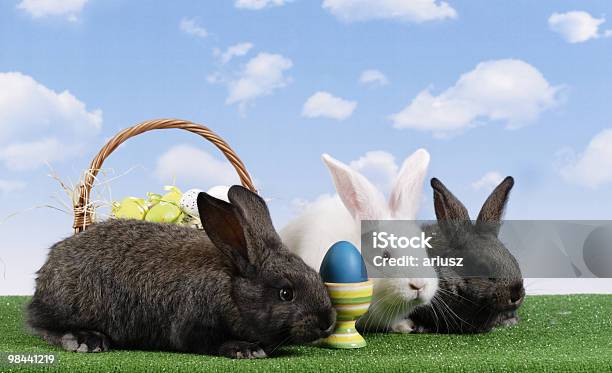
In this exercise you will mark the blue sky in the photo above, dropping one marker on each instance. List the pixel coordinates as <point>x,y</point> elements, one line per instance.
<point>124,62</point>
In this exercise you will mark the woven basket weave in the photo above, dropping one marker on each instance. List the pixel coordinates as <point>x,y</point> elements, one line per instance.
<point>83,210</point>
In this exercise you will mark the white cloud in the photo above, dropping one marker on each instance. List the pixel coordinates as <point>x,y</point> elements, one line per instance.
<point>8,186</point>
<point>214,78</point>
<point>27,106</point>
<point>188,164</point>
<point>488,181</point>
<point>378,166</point>
<point>29,155</point>
<point>258,4</point>
<point>403,10</point>
<point>36,122</point>
<point>511,91</point>
<point>373,77</point>
<point>191,27</point>
<point>44,8</point>
<point>577,26</point>
<point>262,75</point>
<point>236,50</point>
<point>593,167</point>
<point>324,104</point>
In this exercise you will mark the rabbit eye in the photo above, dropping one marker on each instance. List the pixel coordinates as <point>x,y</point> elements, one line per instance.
<point>286,294</point>
<point>386,255</point>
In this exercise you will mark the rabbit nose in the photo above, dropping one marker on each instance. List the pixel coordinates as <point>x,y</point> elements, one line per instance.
<point>416,285</point>
<point>516,294</point>
<point>327,326</point>
<point>327,322</point>
<point>515,298</point>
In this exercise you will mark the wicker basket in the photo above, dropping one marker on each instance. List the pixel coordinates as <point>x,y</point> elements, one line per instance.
<point>83,210</point>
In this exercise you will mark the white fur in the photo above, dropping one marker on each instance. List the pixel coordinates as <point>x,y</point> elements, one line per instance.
<point>219,191</point>
<point>338,218</point>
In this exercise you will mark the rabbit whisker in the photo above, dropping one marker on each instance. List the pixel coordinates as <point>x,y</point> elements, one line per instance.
<point>455,315</point>
<point>390,318</point>
<point>280,344</point>
<point>437,319</point>
<point>384,314</point>
<point>450,309</point>
<point>372,307</point>
<point>447,292</point>
<point>442,313</point>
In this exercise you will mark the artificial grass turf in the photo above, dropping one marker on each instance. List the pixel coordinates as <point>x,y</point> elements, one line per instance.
<point>556,333</point>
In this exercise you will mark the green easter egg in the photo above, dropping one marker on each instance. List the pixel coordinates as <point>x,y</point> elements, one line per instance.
<point>174,194</point>
<point>164,212</point>
<point>130,208</point>
<point>154,198</point>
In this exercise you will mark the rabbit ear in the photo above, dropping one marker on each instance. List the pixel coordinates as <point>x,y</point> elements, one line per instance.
<point>447,206</point>
<point>453,217</point>
<point>255,217</point>
<point>406,195</point>
<point>222,225</point>
<point>362,199</point>
<point>492,210</point>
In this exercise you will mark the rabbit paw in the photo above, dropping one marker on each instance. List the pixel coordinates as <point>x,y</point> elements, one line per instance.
<point>507,319</point>
<point>85,341</point>
<point>419,329</point>
<point>511,321</point>
<point>403,326</point>
<point>242,350</point>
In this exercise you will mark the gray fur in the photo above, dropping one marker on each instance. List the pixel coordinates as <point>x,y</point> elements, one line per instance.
<point>488,290</point>
<point>130,284</point>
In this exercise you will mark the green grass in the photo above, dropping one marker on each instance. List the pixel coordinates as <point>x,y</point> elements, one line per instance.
<point>557,333</point>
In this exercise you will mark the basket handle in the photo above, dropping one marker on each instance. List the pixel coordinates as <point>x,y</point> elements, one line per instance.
<point>83,211</point>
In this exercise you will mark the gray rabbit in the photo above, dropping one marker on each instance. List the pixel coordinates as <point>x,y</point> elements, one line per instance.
<point>488,289</point>
<point>233,290</point>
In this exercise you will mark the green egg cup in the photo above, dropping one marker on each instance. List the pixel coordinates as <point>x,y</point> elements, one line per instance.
<point>351,301</point>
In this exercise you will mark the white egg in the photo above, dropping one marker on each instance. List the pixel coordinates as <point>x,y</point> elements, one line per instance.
<point>189,202</point>
<point>220,192</point>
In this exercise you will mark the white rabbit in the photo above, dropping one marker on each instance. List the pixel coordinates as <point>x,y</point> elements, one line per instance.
<point>220,192</point>
<point>338,218</point>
